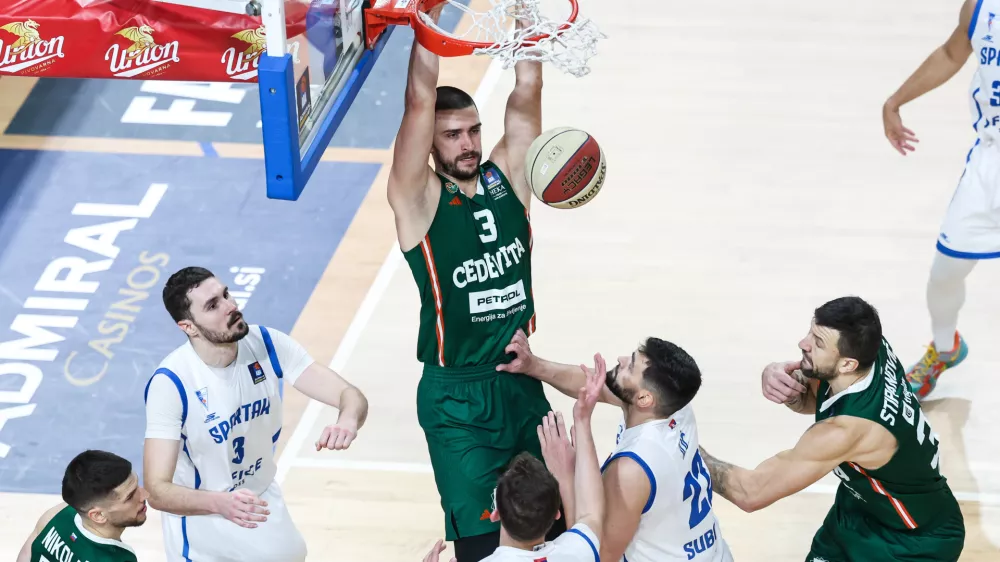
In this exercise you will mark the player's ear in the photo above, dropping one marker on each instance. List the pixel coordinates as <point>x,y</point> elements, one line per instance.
<point>494,516</point>
<point>96,515</point>
<point>187,327</point>
<point>848,365</point>
<point>558,514</point>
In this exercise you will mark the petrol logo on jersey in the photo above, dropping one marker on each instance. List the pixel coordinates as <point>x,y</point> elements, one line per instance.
<point>244,413</point>
<point>29,49</point>
<point>256,372</point>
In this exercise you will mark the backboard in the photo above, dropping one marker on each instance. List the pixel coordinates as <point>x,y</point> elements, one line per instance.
<point>307,84</point>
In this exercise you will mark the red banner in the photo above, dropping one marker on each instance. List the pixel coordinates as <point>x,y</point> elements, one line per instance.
<point>134,39</point>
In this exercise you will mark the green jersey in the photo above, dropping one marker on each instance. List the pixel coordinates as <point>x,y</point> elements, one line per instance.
<point>909,492</point>
<point>473,272</point>
<point>65,539</point>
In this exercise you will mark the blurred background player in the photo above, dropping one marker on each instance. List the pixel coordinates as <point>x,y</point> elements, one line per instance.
<point>971,227</point>
<point>657,449</point>
<point>213,414</point>
<point>463,227</point>
<point>101,498</point>
<point>892,502</point>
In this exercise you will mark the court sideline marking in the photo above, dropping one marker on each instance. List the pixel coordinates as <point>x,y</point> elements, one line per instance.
<point>290,457</point>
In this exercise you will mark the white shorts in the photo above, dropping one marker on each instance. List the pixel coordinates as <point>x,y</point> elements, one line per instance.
<point>971,227</point>
<point>212,538</point>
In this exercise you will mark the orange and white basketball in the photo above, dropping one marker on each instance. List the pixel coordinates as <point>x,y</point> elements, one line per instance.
<point>565,168</point>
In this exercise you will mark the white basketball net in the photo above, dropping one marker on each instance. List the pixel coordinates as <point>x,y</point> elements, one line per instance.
<point>568,49</point>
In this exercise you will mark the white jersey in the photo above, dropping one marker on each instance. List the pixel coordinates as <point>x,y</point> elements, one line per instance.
<point>578,544</point>
<point>228,421</point>
<point>678,522</point>
<point>984,35</point>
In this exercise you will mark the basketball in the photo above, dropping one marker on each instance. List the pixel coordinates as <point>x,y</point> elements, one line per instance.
<point>565,168</point>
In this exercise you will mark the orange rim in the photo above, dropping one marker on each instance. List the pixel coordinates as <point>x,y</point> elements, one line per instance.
<point>447,46</point>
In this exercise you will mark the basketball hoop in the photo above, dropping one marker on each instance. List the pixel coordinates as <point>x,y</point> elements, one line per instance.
<point>566,44</point>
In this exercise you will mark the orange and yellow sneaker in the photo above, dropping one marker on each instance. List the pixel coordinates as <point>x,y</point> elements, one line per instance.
<point>924,375</point>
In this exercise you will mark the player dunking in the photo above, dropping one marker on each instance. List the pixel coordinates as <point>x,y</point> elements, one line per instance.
<point>892,502</point>
<point>463,227</point>
<point>213,415</point>
<point>971,227</point>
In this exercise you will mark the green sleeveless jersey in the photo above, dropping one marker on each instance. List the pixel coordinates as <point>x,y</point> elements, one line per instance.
<point>909,492</point>
<point>65,539</point>
<point>473,272</point>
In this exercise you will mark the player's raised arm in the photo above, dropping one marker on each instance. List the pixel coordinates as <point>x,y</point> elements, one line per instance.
<point>408,185</point>
<point>522,124</point>
<point>326,386</point>
<point>937,69</point>
<point>568,379</point>
<point>821,449</point>
<point>588,489</point>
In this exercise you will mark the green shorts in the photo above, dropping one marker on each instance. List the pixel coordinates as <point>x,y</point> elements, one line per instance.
<point>475,421</point>
<point>848,536</point>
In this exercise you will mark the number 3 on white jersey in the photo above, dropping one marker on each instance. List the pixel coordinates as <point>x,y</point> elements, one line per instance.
<point>488,225</point>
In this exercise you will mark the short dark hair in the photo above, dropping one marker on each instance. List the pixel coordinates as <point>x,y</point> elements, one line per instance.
<point>449,98</point>
<point>859,327</point>
<point>527,498</point>
<point>671,374</point>
<point>91,476</point>
<point>175,292</point>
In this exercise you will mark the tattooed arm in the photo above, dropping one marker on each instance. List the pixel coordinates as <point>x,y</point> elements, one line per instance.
<point>823,446</point>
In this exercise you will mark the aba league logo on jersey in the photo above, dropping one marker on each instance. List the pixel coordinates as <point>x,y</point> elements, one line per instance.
<point>989,29</point>
<point>256,372</point>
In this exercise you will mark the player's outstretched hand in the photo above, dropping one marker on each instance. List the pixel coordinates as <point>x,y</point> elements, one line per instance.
<point>337,437</point>
<point>435,554</point>
<point>779,384</point>
<point>557,448</point>
<point>899,136</point>
<point>524,361</point>
<point>244,508</point>
<point>591,391</point>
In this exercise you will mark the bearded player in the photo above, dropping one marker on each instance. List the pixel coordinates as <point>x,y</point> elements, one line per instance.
<point>213,416</point>
<point>463,227</point>
<point>971,228</point>
<point>892,502</point>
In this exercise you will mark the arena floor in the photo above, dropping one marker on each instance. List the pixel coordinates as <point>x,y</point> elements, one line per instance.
<point>748,182</point>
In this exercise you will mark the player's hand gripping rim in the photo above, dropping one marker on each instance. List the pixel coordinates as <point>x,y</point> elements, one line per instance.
<point>244,508</point>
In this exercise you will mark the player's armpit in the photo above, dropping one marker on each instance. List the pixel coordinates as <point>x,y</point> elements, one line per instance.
<point>823,446</point>
<point>626,492</point>
<point>25,554</point>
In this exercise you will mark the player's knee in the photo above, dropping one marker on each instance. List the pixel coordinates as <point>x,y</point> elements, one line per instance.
<point>474,549</point>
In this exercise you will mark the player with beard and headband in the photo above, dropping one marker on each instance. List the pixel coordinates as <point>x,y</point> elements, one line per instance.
<point>892,502</point>
<point>101,498</point>
<point>213,415</point>
<point>464,229</point>
<point>657,490</point>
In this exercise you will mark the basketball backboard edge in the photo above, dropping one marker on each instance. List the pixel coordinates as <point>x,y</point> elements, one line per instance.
<point>292,153</point>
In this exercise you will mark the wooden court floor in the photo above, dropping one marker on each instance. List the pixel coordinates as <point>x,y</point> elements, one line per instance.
<point>748,183</point>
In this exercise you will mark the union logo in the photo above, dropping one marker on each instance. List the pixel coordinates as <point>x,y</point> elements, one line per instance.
<point>142,55</point>
<point>29,49</point>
